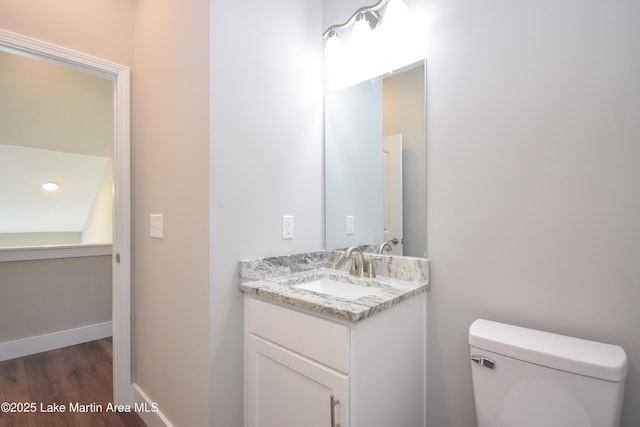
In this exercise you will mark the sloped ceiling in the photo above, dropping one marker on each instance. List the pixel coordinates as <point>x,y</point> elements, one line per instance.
<point>56,124</point>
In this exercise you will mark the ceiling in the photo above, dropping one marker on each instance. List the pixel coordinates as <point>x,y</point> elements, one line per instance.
<point>56,124</point>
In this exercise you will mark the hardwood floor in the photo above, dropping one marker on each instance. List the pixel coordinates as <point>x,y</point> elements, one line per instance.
<point>77,378</point>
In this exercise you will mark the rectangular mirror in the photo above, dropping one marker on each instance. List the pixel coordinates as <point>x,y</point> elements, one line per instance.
<point>375,164</point>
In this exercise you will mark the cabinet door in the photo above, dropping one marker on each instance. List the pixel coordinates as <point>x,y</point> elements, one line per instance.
<point>286,389</point>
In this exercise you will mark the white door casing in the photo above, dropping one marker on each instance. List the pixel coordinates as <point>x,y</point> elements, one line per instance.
<point>392,191</point>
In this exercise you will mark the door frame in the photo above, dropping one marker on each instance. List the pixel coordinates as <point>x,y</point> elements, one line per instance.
<point>393,192</point>
<point>121,246</point>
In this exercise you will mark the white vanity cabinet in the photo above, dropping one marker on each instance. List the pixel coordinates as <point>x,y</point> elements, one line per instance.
<point>299,364</point>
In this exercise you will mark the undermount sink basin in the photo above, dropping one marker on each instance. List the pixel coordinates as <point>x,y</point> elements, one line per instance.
<point>327,286</point>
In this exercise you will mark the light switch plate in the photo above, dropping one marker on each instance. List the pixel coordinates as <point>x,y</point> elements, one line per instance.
<point>156,226</point>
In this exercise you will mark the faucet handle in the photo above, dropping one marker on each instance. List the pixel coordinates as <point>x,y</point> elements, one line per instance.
<point>354,266</point>
<point>369,267</point>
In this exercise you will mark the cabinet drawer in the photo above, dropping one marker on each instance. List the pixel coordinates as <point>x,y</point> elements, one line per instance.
<point>318,339</point>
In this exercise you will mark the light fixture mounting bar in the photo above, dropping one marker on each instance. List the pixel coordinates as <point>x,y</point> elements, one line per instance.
<point>370,13</point>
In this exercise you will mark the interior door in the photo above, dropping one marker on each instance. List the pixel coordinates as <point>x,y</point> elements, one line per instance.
<point>392,191</point>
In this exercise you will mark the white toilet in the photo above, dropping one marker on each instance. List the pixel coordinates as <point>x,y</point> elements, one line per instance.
<point>528,378</point>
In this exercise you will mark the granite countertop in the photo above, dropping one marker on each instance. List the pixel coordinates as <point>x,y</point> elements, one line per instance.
<point>398,278</point>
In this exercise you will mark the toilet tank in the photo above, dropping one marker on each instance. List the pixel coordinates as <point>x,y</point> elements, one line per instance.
<point>528,378</point>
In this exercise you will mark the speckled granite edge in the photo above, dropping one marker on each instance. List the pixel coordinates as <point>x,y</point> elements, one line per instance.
<point>397,267</point>
<point>398,278</point>
<point>402,268</point>
<point>266,268</point>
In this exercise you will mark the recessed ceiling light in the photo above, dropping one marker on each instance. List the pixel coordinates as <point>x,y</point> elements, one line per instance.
<point>50,186</point>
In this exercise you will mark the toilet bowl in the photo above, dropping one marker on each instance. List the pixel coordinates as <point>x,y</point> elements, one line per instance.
<point>529,378</point>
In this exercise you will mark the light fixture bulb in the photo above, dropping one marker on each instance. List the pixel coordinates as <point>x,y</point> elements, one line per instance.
<point>395,15</point>
<point>332,40</point>
<point>395,8</point>
<point>361,29</point>
<point>50,186</point>
<point>332,48</point>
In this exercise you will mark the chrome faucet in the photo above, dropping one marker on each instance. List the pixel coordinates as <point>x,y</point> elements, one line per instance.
<point>387,245</point>
<point>360,267</point>
<point>357,263</point>
<point>384,246</point>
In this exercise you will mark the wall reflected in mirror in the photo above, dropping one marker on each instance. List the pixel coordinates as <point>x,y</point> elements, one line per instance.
<point>375,164</point>
<point>56,124</point>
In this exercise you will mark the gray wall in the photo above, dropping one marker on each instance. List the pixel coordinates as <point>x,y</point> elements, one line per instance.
<point>44,296</point>
<point>37,239</point>
<point>533,180</point>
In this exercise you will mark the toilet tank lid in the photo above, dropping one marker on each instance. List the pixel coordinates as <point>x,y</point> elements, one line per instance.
<point>575,355</point>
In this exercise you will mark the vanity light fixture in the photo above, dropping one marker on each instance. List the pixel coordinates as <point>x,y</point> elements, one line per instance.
<point>50,186</point>
<point>365,15</point>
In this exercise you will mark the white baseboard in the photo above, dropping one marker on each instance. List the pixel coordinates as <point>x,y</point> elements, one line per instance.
<point>54,340</point>
<point>152,416</point>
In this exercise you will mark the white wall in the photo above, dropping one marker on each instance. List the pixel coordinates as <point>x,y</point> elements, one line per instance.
<point>353,169</point>
<point>99,226</point>
<point>532,179</point>
<point>265,161</point>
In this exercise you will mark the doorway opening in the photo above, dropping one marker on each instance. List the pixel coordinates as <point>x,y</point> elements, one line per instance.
<point>117,169</point>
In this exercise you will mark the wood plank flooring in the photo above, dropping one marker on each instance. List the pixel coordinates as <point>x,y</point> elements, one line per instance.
<point>78,375</point>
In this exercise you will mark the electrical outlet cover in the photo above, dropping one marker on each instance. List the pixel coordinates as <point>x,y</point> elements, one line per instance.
<point>287,227</point>
<point>350,224</point>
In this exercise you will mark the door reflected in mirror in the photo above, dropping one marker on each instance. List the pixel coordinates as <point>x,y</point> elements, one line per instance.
<point>375,164</point>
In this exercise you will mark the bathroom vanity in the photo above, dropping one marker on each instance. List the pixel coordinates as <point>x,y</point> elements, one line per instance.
<point>324,348</point>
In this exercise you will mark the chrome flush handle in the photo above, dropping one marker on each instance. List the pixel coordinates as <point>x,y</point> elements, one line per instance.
<point>484,361</point>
